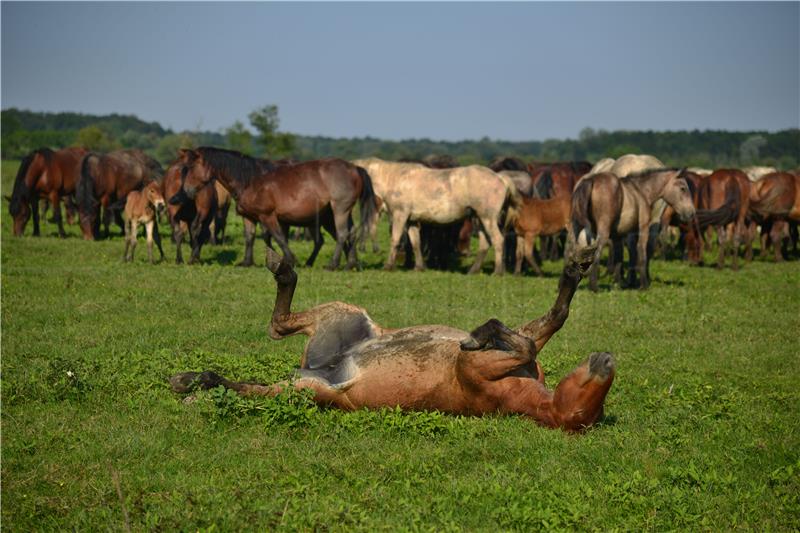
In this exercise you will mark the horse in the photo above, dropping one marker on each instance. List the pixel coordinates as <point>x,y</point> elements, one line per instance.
<point>730,187</point>
<point>775,201</point>
<point>310,194</point>
<point>141,208</point>
<point>414,193</point>
<point>755,173</point>
<point>47,174</point>
<point>192,216</point>
<point>538,218</point>
<point>106,180</point>
<point>605,207</point>
<point>350,362</point>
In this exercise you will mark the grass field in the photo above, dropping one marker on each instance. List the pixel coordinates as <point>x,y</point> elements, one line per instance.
<point>702,427</point>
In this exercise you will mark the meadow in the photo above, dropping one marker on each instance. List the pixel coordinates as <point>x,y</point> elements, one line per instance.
<point>702,426</point>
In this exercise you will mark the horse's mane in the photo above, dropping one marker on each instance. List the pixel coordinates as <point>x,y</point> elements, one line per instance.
<point>648,172</point>
<point>508,163</point>
<point>238,166</point>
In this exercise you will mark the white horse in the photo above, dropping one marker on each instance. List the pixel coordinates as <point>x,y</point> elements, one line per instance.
<point>414,193</point>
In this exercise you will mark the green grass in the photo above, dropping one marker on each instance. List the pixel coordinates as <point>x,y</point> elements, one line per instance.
<point>702,429</point>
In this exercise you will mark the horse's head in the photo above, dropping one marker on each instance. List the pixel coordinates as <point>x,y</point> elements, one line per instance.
<point>19,206</point>
<point>677,194</point>
<point>152,191</point>
<point>195,173</point>
<point>20,212</point>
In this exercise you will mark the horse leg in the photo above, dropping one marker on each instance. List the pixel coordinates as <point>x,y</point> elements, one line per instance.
<point>157,239</point>
<point>198,233</point>
<point>148,226</point>
<point>178,229</point>
<point>413,236</point>
<point>722,240</point>
<point>133,238</point>
<point>498,243</point>
<point>273,229</point>
<point>249,241</point>
<point>618,250</point>
<point>35,213</point>
<point>483,247</point>
<point>602,239</point>
<point>55,200</point>
<point>343,224</point>
<point>519,255</point>
<point>736,234</point>
<point>776,235</point>
<point>316,232</point>
<point>643,257</point>
<point>127,240</point>
<point>399,220</point>
<point>529,245</point>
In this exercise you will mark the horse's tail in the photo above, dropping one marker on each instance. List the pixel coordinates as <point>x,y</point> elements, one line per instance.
<point>369,208</point>
<point>724,214</point>
<point>581,205</point>
<point>84,190</point>
<point>544,185</point>
<point>21,192</point>
<point>511,203</point>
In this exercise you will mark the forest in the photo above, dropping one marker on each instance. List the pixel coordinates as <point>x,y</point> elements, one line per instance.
<point>23,131</point>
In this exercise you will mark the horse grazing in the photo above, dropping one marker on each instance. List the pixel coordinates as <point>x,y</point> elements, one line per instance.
<point>47,174</point>
<point>606,206</point>
<point>192,216</point>
<point>140,208</point>
<point>310,194</point>
<point>350,362</point>
<point>414,193</point>
<point>106,180</point>
<point>539,218</point>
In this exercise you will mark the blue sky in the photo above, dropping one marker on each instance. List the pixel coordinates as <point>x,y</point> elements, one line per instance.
<point>513,71</point>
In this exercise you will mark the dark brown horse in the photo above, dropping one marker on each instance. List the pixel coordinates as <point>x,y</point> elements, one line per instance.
<point>605,207</point>
<point>192,216</point>
<point>315,194</point>
<point>47,174</point>
<point>106,180</point>
<point>350,362</point>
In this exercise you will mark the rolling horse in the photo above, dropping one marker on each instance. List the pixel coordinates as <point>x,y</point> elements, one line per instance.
<point>106,180</point>
<point>605,207</point>
<point>350,362</point>
<point>47,174</point>
<point>313,194</point>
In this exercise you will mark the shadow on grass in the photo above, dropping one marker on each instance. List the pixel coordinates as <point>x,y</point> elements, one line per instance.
<point>225,257</point>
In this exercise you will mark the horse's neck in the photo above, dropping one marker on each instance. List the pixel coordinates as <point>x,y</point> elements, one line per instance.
<point>233,185</point>
<point>651,187</point>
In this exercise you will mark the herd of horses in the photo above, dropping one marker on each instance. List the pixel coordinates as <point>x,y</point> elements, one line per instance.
<point>436,206</point>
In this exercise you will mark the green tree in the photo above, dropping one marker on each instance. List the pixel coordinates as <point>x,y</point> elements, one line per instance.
<point>95,138</point>
<point>238,138</point>
<point>169,145</point>
<point>275,145</point>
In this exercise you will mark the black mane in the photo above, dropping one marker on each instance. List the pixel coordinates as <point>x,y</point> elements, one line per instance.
<point>21,192</point>
<point>647,172</point>
<point>238,166</point>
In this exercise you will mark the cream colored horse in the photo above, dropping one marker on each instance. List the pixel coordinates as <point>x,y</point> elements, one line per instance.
<point>414,193</point>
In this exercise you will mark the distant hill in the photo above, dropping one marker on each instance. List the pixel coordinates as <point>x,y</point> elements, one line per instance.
<point>23,131</point>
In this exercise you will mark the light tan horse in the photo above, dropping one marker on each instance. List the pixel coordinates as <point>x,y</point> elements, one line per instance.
<point>140,208</point>
<point>414,193</point>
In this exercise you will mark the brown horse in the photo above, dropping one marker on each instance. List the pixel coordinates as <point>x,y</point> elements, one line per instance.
<point>606,206</point>
<point>106,180</point>
<point>192,216</point>
<point>539,218</point>
<point>141,207</point>
<point>774,201</point>
<point>220,222</point>
<point>350,362</point>
<point>312,194</point>
<point>47,174</point>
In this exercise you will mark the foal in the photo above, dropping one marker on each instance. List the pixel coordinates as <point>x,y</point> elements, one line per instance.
<point>141,207</point>
<point>539,218</point>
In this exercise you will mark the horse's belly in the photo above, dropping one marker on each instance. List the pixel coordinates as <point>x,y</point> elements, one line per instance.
<point>414,368</point>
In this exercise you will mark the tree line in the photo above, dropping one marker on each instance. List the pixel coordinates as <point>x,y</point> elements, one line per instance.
<point>23,131</point>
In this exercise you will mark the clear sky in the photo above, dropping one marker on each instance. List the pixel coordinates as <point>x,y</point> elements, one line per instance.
<point>512,71</point>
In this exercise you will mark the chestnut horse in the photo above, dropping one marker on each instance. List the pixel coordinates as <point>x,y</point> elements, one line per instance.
<point>539,218</point>
<point>310,194</point>
<point>47,174</point>
<point>106,180</point>
<point>605,207</point>
<point>192,216</point>
<point>350,362</point>
<point>142,207</point>
<point>775,201</point>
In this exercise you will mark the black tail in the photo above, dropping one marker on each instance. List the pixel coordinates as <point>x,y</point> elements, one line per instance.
<point>367,201</point>
<point>544,186</point>
<point>581,205</point>
<point>725,214</point>
<point>84,190</point>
